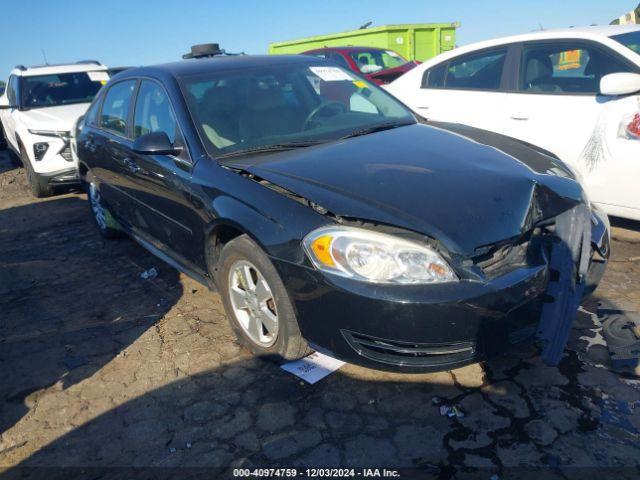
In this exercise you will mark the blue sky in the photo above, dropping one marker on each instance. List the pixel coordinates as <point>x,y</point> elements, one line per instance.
<point>138,32</point>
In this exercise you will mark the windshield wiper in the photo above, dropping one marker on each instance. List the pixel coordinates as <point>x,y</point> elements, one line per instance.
<point>376,128</point>
<point>278,147</point>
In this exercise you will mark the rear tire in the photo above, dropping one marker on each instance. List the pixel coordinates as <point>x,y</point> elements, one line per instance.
<point>39,187</point>
<point>107,225</point>
<point>256,302</point>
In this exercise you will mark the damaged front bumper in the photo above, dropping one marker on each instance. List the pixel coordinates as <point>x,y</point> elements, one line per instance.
<point>417,328</point>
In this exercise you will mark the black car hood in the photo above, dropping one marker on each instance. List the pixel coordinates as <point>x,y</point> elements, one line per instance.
<point>464,187</point>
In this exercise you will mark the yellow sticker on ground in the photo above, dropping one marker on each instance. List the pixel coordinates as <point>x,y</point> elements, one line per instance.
<point>360,84</point>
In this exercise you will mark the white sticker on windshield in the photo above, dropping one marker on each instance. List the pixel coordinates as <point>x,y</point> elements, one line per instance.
<point>331,74</point>
<point>98,76</point>
<point>393,54</point>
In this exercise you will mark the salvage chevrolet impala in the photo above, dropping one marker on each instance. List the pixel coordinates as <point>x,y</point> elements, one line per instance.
<point>329,218</point>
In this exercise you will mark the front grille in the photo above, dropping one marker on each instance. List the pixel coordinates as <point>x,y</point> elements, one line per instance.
<point>410,354</point>
<point>66,153</point>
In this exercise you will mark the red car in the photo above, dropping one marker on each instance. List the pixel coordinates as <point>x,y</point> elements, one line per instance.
<point>378,65</point>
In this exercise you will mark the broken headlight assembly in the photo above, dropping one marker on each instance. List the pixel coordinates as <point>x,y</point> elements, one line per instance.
<point>375,257</point>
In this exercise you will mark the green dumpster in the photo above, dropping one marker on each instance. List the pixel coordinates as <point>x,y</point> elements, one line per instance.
<point>420,41</point>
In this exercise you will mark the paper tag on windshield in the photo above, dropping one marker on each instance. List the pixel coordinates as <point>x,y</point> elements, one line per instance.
<point>98,76</point>
<point>331,74</point>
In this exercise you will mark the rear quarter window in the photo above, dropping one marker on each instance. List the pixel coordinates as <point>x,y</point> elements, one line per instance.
<point>434,77</point>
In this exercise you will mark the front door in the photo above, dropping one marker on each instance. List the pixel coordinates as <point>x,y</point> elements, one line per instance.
<point>557,106</point>
<point>8,120</point>
<point>163,208</point>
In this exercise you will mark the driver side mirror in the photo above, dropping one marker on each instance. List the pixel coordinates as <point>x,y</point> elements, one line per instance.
<point>155,143</point>
<point>620,84</point>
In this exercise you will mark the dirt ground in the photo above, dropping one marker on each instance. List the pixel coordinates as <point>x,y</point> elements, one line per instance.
<point>101,368</point>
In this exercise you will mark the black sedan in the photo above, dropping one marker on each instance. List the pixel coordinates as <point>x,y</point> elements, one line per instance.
<point>328,217</point>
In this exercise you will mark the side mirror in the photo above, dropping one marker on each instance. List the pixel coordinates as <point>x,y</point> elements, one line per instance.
<point>620,84</point>
<point>155,143</point>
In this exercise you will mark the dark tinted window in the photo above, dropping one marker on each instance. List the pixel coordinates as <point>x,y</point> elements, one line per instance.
<point>434,77</point>
<point>153,112</point>
<point>630,40</point>
<point>477,71</point>
<point>566,68</point>
<point>60,88</point>
<point>115,108</point>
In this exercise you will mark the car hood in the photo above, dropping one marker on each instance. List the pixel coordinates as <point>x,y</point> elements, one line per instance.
<point>60,118</point>
<point>466,189</point>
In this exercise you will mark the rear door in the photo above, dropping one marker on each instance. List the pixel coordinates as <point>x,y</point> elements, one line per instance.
<point>468,89</point>
<point>556,104</point>
<point>163,208</point>
<point>107,143</point>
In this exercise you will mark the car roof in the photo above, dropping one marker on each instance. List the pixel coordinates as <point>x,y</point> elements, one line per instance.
<point>195,66</point>
<point>82,66</point>
<point>591,32</point>
<point>349,48</point>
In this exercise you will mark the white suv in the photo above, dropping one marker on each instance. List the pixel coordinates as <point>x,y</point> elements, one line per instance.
<point>38,110</point>
<point>574,92</point>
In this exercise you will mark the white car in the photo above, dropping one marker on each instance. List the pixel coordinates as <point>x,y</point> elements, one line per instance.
<point>38,109</point>
<point>573,92</point>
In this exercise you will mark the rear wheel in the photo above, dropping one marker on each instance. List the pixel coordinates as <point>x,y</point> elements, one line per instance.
<point>257,303</point>
<point>107,225</point>
<point>39,186</point>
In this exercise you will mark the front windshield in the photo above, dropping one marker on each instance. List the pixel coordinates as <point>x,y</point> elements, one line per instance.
<point>629,40</point>
<point>283,104</point>
<point>60,88</point>
<point>372,61</point>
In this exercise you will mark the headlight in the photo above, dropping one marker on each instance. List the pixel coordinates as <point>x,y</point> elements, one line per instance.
<point>375,257</point>
<point>50,133</point>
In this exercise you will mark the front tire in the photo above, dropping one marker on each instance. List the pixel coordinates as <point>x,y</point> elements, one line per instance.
<point>38,186</point>
<point>256,302</point>
<point>107,225</point>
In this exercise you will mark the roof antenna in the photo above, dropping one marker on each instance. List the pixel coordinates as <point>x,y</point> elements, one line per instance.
<point>44,56</point>
<point>541,27</point>
<point>362,27</point>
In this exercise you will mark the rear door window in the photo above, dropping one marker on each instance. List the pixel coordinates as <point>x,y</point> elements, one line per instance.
<point>477,71</point>
<point>115,108</point>
<point>566,68</point>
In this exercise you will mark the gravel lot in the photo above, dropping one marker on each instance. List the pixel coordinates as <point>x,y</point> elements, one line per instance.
<point>100,368</point>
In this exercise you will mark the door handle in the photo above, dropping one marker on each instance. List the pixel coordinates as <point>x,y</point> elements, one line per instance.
<point>519,116</point>
<point>131,165</point>
<point>423,107</point>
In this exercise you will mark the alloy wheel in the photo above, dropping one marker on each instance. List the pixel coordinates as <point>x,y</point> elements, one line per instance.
<point>253,303</point>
